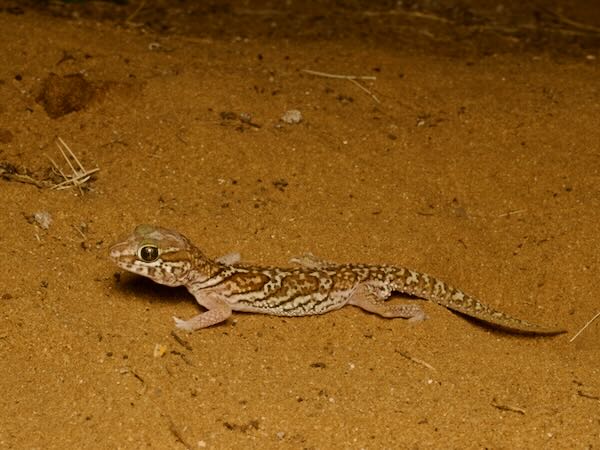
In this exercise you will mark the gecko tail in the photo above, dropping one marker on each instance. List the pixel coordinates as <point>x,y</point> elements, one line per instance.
<point>481,312</point>
<point>430,288</point>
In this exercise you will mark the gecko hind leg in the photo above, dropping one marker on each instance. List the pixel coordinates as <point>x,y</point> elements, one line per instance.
<point>372,298</point>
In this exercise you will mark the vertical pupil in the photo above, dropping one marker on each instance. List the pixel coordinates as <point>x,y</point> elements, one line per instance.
<point>149,253</point>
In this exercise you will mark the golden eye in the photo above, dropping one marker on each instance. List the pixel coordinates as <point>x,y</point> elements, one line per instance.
<point>148,253</point>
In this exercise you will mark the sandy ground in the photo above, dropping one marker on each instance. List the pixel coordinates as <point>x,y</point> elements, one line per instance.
<point>474,155</point>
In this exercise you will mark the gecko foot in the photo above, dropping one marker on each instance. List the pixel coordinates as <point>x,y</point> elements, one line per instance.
<point>413,313</point>
<point>418,315</point>
<point>183,324</point>
<point>229,259</point>
<point>310,261</point>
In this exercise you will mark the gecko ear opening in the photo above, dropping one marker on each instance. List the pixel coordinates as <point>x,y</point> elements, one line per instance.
<point>148,253</point>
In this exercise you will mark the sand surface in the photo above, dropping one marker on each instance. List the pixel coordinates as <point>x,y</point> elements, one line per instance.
<point>473,154</point>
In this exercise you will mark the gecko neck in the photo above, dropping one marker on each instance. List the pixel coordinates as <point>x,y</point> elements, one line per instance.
<point>202,268</point>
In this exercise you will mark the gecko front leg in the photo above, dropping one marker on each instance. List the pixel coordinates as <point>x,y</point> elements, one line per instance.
<point>218,310</point>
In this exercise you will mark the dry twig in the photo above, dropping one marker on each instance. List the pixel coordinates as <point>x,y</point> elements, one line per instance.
<point>19,177</point>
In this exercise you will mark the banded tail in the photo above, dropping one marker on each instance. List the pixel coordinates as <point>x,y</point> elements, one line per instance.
<point>430,288</point>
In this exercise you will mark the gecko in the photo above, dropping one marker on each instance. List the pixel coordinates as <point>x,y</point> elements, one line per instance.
<point>313,286</point>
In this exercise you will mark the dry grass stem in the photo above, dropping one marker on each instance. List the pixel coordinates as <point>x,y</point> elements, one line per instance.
<point>509,408</point>
<point>585,326</point>
<point>352,78</point>
<point>129,20</point>
<point>511,213</point>
<point>573,23</point>
<point>81,233</point>
<point>373,96</point>
<point>80,175</point>
<point>417,361</point>
<point>336,76</point>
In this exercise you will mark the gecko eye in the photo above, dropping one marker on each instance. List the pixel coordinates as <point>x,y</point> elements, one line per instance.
<point>148,253</point>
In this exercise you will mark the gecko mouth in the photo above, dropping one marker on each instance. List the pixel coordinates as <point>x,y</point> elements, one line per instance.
<point>117,251</point>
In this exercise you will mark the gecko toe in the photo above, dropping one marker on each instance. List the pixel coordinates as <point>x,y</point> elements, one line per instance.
<point>418,316</point>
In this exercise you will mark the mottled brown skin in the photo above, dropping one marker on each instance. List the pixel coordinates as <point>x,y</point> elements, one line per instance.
<point>315,287</point>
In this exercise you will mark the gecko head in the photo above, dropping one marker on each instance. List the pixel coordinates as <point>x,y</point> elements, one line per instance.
<point>162,255</point>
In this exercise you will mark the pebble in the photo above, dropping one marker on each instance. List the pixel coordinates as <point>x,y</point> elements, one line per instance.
<point>43,219</point>
<point>293,116</point>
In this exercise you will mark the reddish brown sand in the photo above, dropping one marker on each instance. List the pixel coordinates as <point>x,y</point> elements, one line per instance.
<point>480,164</point>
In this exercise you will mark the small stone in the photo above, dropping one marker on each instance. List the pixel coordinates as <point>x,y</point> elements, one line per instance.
<point>245,117</point>
<point>293,116</point>
<point>43,219</point>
